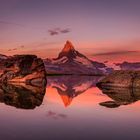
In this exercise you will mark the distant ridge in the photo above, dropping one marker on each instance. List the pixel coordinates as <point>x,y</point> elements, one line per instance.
<point>2,56</point>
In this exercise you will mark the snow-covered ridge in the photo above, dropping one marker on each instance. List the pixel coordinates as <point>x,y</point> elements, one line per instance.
<point>59,61</point>
<point>83,61</point>
<point>3,56</point>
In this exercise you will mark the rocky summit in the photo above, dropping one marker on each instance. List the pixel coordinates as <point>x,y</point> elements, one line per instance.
<point>70,61</point>
<point>23,69</point>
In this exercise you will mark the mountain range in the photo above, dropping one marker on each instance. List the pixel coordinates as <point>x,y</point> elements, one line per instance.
<point>129,66</point>
<point>70,61</point>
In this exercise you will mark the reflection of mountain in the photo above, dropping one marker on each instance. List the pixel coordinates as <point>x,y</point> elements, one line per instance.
<point>69,87</point>
<point>120,96</point>
<point>22,96</point>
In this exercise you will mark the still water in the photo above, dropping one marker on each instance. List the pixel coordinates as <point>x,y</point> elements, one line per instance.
<point>72,108</point>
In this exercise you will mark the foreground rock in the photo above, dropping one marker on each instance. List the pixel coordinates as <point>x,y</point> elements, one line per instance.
<point>130,79</point>
<point>71,62</point>
<point>23,69</point>
<point>21,96</point>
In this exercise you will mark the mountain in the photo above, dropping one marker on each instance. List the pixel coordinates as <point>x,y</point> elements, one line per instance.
<point>70,61</point>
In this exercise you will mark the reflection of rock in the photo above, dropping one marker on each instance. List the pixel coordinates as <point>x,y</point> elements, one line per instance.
<point>121,96</point>
<point>110,104</point>
<point>69,87</point>
<point>22,96</point>
<point>121,79</point>
<point>23,69</point>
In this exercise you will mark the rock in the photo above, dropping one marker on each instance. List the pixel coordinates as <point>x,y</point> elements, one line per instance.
<point>121,79</point>
<point>72,62</point>
<point>21,96</point>
<point>23,69</point>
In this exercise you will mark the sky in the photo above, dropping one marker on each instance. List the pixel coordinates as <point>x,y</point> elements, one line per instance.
<point>100,29</point>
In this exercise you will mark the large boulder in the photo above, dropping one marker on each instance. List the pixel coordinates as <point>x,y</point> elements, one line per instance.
<point>121,78</point>
<point>23,69</point>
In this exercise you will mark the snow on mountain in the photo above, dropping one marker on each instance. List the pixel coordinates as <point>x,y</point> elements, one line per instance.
<point>70,61</point>
<point>83,61</point>
<point>60,61</point>
<point>3,56</point>
<point>82,86</point>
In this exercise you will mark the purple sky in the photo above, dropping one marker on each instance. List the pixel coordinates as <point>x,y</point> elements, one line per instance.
<point>94,26</point>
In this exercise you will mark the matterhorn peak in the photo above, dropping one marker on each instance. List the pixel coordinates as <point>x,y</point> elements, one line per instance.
<point>68,51</point>
<point>68,46</point>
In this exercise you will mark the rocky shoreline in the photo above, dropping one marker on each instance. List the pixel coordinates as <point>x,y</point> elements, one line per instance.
<point>125,79</point>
